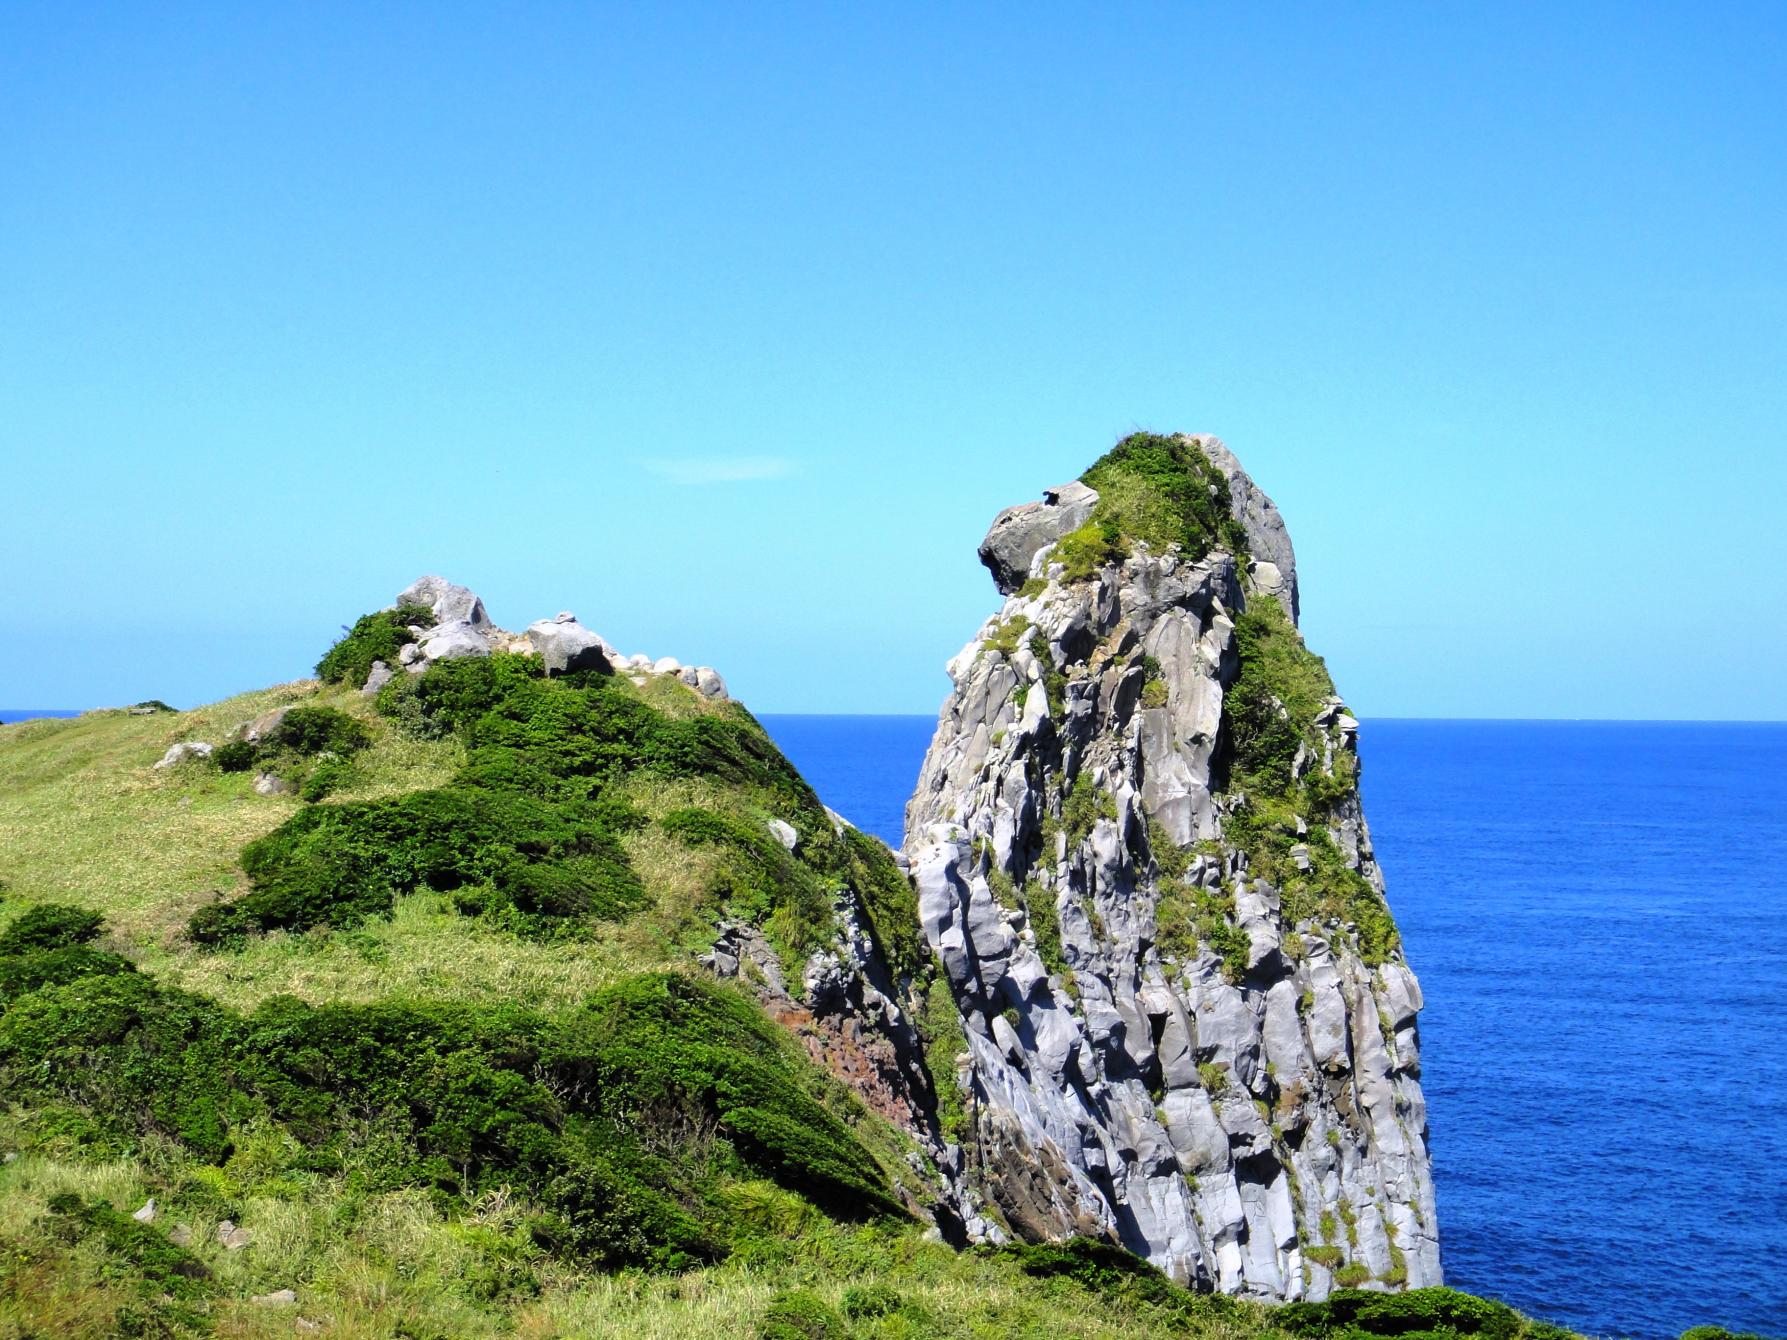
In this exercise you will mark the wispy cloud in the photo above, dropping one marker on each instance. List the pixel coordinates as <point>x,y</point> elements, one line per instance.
<point>720,469</point>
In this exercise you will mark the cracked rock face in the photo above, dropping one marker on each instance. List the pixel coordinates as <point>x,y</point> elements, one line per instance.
<point>1234,1095</point>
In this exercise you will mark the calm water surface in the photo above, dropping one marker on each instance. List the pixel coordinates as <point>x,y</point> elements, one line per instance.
<point>1598,915</point>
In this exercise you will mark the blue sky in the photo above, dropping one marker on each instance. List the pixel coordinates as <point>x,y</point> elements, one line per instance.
<point>730,328</point>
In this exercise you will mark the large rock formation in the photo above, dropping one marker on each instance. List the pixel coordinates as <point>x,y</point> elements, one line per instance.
<point>1140,855</point>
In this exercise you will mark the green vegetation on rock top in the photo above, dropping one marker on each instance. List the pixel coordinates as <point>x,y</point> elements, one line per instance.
<point>1162,491</point>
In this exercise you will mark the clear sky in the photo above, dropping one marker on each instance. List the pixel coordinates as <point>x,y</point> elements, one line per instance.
<point>730,328</point>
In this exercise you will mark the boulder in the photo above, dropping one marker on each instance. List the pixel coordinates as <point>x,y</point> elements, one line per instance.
<point>564,644</point>
<point>666,665</point>
<point>446,642</point>
<point>180,753</point>
<point>377,679</point>
<point>264,725</point>
<point>1019,533</point>
<point>784,833</point>
<point>278,1298</point>
<point>272,784</point>
<point>709,684</point>
<point>234,1239</point>
<point>146,1215</point>
<point>451,604</point>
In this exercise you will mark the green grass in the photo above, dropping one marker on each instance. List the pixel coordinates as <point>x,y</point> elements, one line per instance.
<point>1163,491</point>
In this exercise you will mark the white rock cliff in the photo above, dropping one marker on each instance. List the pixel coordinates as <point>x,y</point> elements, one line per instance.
<point>1173,1044</point>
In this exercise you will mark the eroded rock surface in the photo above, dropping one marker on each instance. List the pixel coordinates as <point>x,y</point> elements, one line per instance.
<point>1181,1034</point>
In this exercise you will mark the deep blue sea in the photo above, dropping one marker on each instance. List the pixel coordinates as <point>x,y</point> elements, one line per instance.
<point>1598,916</point>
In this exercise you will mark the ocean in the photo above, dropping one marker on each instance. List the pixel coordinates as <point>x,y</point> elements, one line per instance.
<point>1597,913</point>
<point>1598,916</point>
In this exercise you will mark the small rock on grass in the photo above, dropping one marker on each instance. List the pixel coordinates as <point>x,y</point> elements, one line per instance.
<point>234,1239</point>
<point>146,1215</point>
<point>278,1298</point>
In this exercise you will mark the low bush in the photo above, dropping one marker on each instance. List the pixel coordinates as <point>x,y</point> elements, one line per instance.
<point>23,973</point>
<point>622,1122</point>
<point>236,756</point>
<point>380,636</point>
<point>50,926</point>
<point>1432,1311</point>
<point>496,851</point>
<point>1007,636</point>
<point>1187,917</point>
<point>328,776</point>
<point>308,731</point>
<point>797,1314</point>
<point>1086,552</point>
<point>1270,709</point>
<point>1109,1272</point>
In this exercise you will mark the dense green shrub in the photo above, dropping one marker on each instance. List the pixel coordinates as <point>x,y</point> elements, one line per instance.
<point>379,636</point>
<point>1087,551</point>
<point>1163,491</point>
<point>1431,1311</point>
<point>866,1301</point>
<point>236,756</point>
<point>797,1314</point>
<point>50,926</point>
<point>24,973</point>
<point>621,1122</point>
<point>496,851</point>
<point>156,1263</point>
<point>664,1049</point>
<point>308,731</point>
<point>311,746</point>
<point>327,777</point>
<point>1279,688</point>
<point>136,1057</point>
<point>1108,1271</point>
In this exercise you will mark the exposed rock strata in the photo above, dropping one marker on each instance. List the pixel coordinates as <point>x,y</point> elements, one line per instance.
<point>1254,1125</point>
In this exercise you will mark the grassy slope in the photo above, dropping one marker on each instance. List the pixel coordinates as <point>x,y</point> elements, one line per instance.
<point>84,818</point>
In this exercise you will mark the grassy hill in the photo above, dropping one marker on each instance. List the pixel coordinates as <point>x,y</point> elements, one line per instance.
<point>424,1040</point>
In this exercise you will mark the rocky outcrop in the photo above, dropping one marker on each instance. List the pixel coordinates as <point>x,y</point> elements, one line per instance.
<point>1189,1029</point>
<point>564,644</point>
<point>462,627</point>
<point>1019,533</point>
